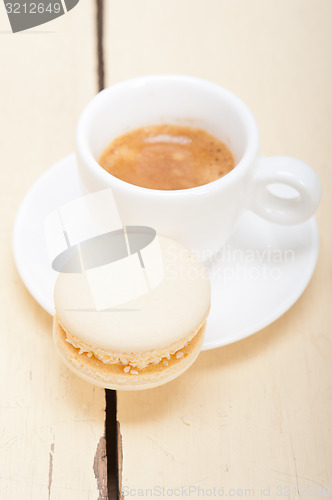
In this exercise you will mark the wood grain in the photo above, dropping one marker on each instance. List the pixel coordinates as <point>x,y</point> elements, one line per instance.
<point>52,423</point>
<point>256,414</point>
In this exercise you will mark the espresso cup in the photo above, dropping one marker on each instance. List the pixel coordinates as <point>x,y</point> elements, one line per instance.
<point>203,217</point>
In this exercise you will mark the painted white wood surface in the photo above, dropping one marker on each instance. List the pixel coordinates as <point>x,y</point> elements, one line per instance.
<point>50,421</point>
<point>256,414</point>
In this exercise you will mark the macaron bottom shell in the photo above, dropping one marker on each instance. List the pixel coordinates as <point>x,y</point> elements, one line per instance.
<point>113,376</point>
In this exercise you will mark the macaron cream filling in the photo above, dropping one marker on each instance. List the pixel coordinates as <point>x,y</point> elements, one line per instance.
<point>85,358</point>
<point>139,360</point>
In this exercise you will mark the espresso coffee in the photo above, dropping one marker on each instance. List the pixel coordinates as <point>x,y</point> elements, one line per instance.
<point>167,157</point>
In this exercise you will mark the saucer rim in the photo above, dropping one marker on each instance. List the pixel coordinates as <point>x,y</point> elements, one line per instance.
<point>24,274</point>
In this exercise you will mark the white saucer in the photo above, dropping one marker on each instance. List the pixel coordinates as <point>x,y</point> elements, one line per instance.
<point>256,278</point>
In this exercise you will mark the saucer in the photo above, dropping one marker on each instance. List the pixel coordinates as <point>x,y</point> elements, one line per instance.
<point>255,278</point>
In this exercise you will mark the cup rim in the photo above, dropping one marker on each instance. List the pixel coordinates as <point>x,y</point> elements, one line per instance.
<point>241,167</point>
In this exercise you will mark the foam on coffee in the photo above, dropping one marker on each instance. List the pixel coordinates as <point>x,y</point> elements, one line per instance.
<point>167,157</point>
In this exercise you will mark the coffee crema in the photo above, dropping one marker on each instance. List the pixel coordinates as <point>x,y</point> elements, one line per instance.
<point>167,157</point>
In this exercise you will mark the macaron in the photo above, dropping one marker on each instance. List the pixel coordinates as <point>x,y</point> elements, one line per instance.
<point>144,342</point>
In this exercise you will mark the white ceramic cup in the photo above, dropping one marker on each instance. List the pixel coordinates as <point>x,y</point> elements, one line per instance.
<point>202,217</point>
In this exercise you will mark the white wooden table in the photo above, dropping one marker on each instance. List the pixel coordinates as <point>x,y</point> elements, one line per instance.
<point>253,418</point>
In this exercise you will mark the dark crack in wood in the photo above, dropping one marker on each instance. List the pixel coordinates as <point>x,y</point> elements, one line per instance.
<point>100,44</point>
<point>112,445</point>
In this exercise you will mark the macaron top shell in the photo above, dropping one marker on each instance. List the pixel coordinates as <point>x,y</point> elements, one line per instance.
<point>170,311</point>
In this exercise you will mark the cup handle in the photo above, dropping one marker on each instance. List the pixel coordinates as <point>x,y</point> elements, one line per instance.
<point>288,172</point>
